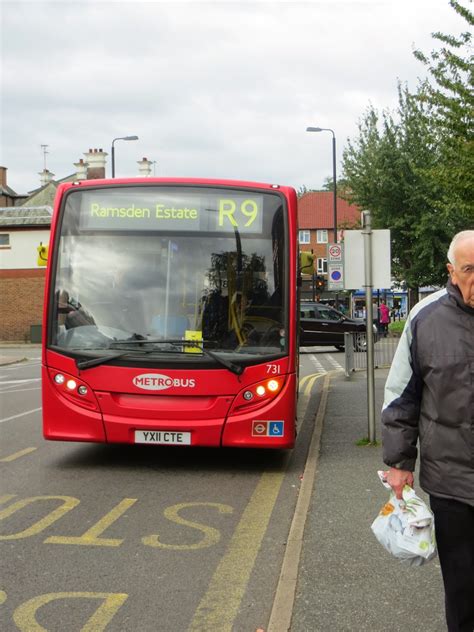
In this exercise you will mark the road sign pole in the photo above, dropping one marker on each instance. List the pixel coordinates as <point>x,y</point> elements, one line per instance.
<point>367,235</point>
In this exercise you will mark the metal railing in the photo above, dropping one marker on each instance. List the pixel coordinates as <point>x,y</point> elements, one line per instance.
<point>355,355</point>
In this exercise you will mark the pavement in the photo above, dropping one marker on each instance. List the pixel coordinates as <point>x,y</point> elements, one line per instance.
<point>12,353</point>
<point>345,580</point>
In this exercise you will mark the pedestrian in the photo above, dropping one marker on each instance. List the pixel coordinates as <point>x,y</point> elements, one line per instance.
<point>384,318</point>
<point>375,314</point>
<point>429,396</point>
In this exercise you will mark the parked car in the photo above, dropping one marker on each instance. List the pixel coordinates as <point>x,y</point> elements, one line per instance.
<point>322,325</point>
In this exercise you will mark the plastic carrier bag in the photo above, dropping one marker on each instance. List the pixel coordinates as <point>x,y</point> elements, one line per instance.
<point>406,527</point>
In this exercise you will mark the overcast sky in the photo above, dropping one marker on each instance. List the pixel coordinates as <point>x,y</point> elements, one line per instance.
<point>216,89</point>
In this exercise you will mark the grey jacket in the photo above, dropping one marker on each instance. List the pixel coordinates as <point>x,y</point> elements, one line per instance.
<point>429,396</point>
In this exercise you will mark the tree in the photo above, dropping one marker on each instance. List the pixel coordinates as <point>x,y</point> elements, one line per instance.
<point>385,171</point>
<point>302,190</point>
<point>328,184</point>
<point>414,168</point>
<point>451,97</point>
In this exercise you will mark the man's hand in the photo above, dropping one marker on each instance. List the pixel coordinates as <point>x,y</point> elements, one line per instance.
<point>397,479</point>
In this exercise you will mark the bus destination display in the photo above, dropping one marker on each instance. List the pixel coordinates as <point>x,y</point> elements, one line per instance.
<point>166,211</point>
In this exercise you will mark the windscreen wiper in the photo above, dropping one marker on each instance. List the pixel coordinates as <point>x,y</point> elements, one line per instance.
<point>234,368</point>
<point>87,364</point>
<point>231,366</point>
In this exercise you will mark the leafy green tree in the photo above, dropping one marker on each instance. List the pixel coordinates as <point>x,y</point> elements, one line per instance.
<point>328,184</point>
<point>414,168</point>
<point>300,191</point>
<point>385,170</point>
<point>451,96</point>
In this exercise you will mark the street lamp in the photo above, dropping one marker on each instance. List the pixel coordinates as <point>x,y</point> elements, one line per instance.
<point>326,129</point>
<point>113,150</point>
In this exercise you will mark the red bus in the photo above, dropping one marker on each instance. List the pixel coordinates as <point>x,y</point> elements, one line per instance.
<point>171,313</point>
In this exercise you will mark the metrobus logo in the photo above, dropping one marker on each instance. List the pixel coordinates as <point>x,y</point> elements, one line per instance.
<point>158,382</point>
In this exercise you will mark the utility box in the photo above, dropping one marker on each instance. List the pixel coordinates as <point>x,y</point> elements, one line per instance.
<point>35,333</point>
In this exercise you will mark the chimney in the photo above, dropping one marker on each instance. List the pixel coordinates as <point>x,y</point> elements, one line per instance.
<point>95,159</point>
<point>3,176</point>
<point>144,167</point>
<point>81,169</point>
<point>45,176</point>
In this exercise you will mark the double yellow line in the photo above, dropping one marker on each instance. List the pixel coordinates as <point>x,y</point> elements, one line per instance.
<point>307,382</point>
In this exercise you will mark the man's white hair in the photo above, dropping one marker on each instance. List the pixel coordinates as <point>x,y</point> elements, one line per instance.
<point>464,234</point>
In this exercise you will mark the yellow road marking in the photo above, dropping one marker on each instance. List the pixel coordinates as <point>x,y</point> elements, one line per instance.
<point>68,503</point>
<point>91,536</point>
<point>309,386</point>
<point>307,382</point>
<point>280,618</point>
<point>17,455</point>
<point>304,379</point>
<point>220,604</point>
<point>211,535</point>
<point>6,498</point>
<point>24,615</point>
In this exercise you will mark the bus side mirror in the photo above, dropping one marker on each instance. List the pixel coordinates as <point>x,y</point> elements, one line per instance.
<point>42,255</point>
<point>306,262</point>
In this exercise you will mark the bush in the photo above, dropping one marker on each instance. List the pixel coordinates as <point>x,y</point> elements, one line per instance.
<point>396,327</point>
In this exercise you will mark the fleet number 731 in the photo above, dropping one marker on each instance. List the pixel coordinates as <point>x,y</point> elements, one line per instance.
<point>273,369</point>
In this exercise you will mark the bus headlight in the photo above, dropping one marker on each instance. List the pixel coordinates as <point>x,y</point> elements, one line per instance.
<point>254,395</point>
<point>73,389</point>
<point>273,385</point>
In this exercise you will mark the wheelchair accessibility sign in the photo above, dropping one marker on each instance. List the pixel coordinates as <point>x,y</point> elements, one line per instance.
<point>268,428</point>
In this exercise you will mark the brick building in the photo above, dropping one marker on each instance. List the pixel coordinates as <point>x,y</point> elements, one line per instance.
<point>8,197</point>
<point>316,224</point>
<point>21,279</point>
<point>24,224</point>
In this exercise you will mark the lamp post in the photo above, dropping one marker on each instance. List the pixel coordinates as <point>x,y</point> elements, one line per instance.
<point>326,129</point>
<point>113,150</point>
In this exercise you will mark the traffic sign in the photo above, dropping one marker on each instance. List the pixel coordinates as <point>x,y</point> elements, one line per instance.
<point>354,259</point>
<point>334,252</point>
<point>335,276</point>
<point>335,256</point>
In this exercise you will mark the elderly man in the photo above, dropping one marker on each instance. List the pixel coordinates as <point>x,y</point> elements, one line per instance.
<point>429,396</point>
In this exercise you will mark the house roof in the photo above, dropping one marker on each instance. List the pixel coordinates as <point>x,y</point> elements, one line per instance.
<point>55,182</point>
<point>13,216</point>
<point>316,210</point>
<point>9,192</point>
<point>45,194</point>
<point>41,197</point>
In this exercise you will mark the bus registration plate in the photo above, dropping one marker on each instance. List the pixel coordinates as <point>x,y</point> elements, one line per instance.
<point>163,437</point>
